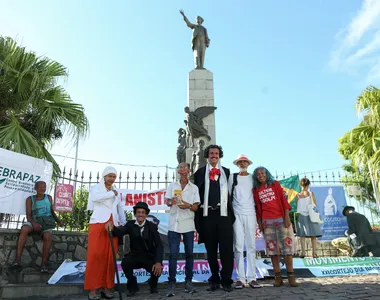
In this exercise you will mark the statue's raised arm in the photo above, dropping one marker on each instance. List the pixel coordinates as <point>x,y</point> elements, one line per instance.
<point>188,23</point>
<point>199,40</point>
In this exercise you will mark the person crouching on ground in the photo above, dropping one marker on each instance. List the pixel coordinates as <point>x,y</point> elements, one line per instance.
<point>146,248</point>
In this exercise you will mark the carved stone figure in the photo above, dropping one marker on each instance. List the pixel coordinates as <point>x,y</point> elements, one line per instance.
<point>181,148</point>
<point>198,159</point>
<point>194,122</point>
<point>199,40</point>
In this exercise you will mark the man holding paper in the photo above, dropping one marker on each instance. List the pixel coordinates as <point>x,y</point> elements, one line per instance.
<point>183,199</point>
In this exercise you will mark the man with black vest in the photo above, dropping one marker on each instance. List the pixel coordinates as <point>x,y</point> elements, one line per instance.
<point>214,218</point>
<point>240,187</point>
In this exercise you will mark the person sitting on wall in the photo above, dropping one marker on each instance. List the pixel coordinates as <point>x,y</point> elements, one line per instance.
<point>41,219</point>
<point>146,248</point>
<point>360,235</point>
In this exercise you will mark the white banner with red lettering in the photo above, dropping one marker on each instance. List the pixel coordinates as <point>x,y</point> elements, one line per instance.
<point>154,198</point>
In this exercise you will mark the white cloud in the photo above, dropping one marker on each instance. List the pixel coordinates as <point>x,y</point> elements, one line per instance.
<point>358,44</point>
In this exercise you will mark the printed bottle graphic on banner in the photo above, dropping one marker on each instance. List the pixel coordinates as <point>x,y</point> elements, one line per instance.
<point>330,204</point>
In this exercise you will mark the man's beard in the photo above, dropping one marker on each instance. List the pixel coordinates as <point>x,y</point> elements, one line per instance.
<point>243,169</point>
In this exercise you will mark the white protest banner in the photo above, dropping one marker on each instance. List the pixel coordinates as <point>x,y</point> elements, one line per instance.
<point>73,272</point>
<point>18,174</point>
<point>154,198</point>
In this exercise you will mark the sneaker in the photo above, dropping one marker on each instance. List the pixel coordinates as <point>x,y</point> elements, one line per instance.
<point>254,284</point>
<point>239,285</point>
<point>171,289</point>
<point>189,288</point>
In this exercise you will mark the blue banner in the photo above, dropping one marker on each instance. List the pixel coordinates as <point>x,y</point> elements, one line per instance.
<point>330,202</point>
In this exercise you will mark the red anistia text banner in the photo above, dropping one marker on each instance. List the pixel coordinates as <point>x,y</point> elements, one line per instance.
<point>154,198</point>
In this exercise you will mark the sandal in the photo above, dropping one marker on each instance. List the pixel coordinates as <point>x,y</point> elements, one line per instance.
<point>104,295</point>
<point>44,269</point>
<point>254,284</point>
<point>16,265</point>
<point>278,280</point>
<point>292,279</point>
<point>93,297</point>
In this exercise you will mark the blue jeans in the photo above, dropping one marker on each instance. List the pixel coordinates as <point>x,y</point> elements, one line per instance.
<point>174,241</point>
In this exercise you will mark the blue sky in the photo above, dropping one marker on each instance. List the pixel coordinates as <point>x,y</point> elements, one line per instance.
<point>286,74</point>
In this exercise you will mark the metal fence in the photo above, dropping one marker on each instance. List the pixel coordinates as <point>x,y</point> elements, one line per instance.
<point>149,181</point>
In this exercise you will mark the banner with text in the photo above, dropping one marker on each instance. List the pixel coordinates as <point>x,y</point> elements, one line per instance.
<point>73,272</point>
<point>330,201</point>
<point>154,198</point>
<point>63,198</point>
<point>325,266</point>
<point>18,175</point>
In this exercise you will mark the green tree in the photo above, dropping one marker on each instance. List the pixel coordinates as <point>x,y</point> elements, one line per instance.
<point>361,145</point>
<point>35,111</point>
<point>79,218</point>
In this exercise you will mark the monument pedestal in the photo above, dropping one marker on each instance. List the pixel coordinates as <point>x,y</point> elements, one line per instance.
<point>200,93</point>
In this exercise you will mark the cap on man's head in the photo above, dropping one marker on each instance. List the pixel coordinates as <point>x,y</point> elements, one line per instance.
<point>142,205</point>
<point>347,209</point>
<point>242,157</point>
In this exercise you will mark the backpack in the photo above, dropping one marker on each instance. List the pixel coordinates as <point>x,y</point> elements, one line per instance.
<point>234,183</point>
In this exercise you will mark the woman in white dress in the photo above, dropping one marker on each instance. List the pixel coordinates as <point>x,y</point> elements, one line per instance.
<point>306,228</point>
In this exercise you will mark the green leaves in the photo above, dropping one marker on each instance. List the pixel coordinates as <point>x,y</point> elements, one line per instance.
<point>361,145</point>
<point>34,110</point>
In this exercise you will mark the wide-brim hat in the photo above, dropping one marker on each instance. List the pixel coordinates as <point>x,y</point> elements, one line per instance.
<point>242,157</point>
<point>141,205</point>
<point>346,209</point>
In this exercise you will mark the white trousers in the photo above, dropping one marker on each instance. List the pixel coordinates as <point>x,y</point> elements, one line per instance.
<point>245,231</point>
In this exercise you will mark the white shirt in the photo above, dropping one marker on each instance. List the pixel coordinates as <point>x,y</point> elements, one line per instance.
<point>103,203</point>
<point>243,203</point>
<point>182,220</point>
<point>141,226</point>
<point>303,205</point>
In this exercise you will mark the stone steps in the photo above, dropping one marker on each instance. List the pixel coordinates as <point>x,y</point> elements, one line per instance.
<point>38,291</point>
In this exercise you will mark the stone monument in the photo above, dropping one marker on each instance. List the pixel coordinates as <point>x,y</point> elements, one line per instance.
<point>200,109</point>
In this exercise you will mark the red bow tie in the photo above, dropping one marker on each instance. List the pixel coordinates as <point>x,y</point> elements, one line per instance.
<point>213,172</point>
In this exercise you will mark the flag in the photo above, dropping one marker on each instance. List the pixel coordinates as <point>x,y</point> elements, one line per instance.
<point>291,188</point>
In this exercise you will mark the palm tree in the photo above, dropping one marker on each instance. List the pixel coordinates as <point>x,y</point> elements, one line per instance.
<point>35,111</point>
<point>361,145</point>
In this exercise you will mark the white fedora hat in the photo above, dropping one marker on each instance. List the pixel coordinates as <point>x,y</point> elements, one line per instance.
<point>242,157</point>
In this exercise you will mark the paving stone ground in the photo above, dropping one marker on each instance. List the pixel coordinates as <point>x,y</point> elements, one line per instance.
<point>348,287</point>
